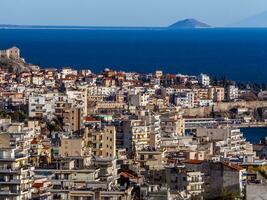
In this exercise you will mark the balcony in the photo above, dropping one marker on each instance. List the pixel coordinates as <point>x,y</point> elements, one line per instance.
<point>11,182</point>
<point>6,169</point>
<point>8,193</point>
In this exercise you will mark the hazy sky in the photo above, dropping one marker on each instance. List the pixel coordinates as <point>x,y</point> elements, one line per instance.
<point>126,12</point>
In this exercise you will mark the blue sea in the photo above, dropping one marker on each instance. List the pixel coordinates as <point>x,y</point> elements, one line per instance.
<point>254,135</point>
<point>239,54</point>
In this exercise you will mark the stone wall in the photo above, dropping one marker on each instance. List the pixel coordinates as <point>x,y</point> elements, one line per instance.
<point>222,107</point>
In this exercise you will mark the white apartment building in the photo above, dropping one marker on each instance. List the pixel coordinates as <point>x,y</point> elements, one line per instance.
<point>185,99</point>
<point>205,102</point>
<point>101,91</point>
<point>67,71</point>
<point>16,175</point>
<point>232,92</point>
<point>204,79</point>
<point>38,80</point>
<point>41,106</point>
<point>135,135</point>
<point>228,142</point>
<point>78,99</point>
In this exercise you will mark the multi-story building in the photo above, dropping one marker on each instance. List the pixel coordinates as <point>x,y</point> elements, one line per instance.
<point>72,119</point>
<point>101,91</point>
<point>97,181</point>
<point>78,99</point>
<point>138,99</point>
<point>135,135</point>
<point>220,177</point>
<point>16,174</point>
<point>228,142</point>
<point>41,106</point>
<point>73,146</point>
<point>149,158</point>
<point>179,180</point>
<point>185,99</point>
<point>231,92</point>
<point>217,94</point>
<point>102,141</point>
<point>204,79</point>
<point>172,124</point>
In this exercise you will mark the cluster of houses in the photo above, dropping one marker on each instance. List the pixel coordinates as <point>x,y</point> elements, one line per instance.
<point>119,136</point>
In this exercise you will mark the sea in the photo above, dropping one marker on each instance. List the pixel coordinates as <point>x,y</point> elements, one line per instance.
<point>254,135</point>
<point>238,54</point>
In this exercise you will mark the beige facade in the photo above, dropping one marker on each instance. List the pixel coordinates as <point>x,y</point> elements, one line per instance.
<point>4,140</point>
<point>103,141</point>
<point>72,147</point>
<point>152,159</point>
<point>72,118</point>
<point>217,94</point>
<point>172,124</point>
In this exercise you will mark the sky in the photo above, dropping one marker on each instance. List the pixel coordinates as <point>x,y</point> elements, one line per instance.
<point>126,12</point>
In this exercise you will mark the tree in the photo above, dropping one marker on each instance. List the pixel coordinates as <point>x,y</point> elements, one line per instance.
<point>55,124</point>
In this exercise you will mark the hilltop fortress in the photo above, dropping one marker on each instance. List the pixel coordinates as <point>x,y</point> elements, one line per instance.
<point>11,60</point>
<point>13,52</point>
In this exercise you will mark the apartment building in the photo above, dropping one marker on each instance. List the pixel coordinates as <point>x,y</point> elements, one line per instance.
<point>172,124</point>
<point>228,142</point>
<point>72,119</point>
<point>231,92</point>
<point>78,99</point>
<point>219,177</point>
<point>135,135</point>
<point>73,146</point>
<point>203,79</point>
<point>138,99</point>
<point>217,94</point>
<point>16,175</point>
<point>41,106</point>
<point>185,99</point>
<point>149,158</point>
<point>102,141</point>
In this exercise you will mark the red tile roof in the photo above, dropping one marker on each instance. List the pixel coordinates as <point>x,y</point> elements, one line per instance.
<point>193,161</point>
<point>232,166</point>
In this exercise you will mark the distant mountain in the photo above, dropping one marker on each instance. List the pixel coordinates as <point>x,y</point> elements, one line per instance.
<point>188,23</point>
<point>259,21</point>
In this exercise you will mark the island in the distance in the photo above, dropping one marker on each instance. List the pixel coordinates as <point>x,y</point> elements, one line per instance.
<point>181,24</point>
<point>189,23</point>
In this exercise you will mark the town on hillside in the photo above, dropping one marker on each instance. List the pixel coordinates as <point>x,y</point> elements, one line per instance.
<point>115,135</point>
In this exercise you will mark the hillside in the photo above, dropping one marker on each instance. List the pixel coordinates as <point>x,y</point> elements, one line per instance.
<point>15,65</point>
